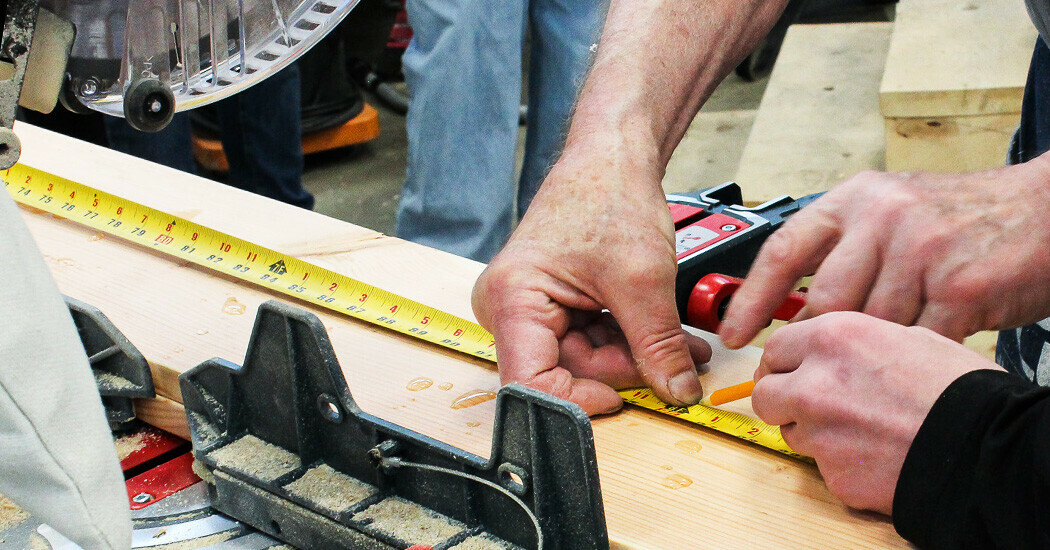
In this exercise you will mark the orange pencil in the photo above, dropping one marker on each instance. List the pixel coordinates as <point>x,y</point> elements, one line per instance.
<point>732,393</point>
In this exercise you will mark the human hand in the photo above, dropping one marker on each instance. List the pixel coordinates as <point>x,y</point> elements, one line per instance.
<point>597,235</point>
<point>840,397</point>
<point>956,253</point>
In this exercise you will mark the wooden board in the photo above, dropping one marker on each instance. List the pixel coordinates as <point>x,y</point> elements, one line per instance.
<point>954,79</point>
<point>949,144</point>
<point>710,151</point>
<point>957,58</point>
<point>819,121</point>
<point>740,495</point>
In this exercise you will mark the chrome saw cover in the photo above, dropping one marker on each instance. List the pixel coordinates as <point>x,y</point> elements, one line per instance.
<point>200,50</point>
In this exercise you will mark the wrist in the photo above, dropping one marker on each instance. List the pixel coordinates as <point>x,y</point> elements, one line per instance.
<point>603,155</point>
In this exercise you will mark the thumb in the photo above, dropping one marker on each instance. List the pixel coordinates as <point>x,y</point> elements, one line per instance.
<point>660,346</point>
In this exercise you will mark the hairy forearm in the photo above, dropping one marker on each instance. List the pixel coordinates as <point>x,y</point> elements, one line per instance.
<point>658,61</point>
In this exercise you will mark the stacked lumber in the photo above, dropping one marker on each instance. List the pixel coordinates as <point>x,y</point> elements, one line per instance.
<point>955,75</point>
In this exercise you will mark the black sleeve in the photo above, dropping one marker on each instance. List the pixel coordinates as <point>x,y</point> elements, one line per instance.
<point>978,473</point>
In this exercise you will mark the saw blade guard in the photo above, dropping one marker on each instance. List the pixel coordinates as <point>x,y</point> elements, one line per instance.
<point>146,59</point>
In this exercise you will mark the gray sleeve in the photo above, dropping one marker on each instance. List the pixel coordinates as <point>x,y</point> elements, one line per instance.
<point>57,458</point>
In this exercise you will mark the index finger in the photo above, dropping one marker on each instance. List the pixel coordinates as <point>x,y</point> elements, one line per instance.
<point>794,251</point>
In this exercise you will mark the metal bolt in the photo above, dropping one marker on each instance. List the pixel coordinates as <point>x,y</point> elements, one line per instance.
<point>155,106</point>
<point>729,227</point>
<point>142,498</point>
<point>89,87</point>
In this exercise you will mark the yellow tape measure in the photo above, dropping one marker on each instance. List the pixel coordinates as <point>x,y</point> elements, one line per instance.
<point>268,268</point>
<point>728,422</point>
<point>244,260</point>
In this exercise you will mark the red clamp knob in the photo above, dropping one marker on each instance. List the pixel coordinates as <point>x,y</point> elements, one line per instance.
<point>710,298</point>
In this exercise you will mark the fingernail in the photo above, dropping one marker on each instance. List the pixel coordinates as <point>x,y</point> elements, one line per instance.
<point>685,387</point>
<point>728,332</point>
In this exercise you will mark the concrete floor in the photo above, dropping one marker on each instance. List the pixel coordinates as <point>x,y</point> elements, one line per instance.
<point>362,184</point>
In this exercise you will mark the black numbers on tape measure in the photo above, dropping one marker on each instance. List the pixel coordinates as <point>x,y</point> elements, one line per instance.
<point>162,230</point>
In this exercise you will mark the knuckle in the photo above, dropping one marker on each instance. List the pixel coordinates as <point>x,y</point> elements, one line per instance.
<point>763,401</point>
<point>637,275</point>
<point>556,382</point>
<point>780,246</point>
<point>660,349</point>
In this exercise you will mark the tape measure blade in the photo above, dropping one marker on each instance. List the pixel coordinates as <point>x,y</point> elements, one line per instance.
<point>293,277</point>
<point>237,257</point>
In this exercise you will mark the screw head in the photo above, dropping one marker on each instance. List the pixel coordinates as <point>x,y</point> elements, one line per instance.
<point>729,227</point>
<point>142,498</point>
<point>89,87</point>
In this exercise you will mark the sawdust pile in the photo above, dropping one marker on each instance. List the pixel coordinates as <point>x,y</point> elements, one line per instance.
<point>409,522</point>
<point>203,542</point>
<point>205,431</point>
<point>37,542</point>
<point>202,471</point>
<point>482,543</point>
<point>11,514</point>
<point>256,458</point>
<point>130,443</point>
<point>330,489</point>
<point>112,381</point>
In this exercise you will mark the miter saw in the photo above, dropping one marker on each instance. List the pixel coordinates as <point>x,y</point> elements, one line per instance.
<point>146,59</point>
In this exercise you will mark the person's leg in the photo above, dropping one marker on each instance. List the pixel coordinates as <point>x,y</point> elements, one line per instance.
<point>170,146</point>
<point>261,130</point>
<point>563,32</point>
<point>463,69</point>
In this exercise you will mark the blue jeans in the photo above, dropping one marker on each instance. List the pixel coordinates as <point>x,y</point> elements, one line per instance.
<point>261,136</point>
<point>464,70</point>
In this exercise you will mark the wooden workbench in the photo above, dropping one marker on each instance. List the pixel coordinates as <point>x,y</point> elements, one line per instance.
<point>740,495</point>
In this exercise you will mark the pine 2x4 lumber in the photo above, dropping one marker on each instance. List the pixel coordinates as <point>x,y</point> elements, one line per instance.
<point>178,315</point>
<point>819,120</point>
<point>954,79</point>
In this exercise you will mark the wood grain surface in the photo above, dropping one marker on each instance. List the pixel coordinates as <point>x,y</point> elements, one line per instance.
<point>957,58</point>
<point>665,483</point>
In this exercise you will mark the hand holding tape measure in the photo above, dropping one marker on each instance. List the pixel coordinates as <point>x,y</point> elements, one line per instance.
<point>255,264</point>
